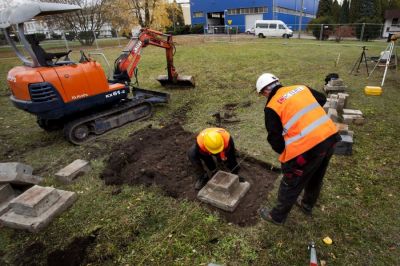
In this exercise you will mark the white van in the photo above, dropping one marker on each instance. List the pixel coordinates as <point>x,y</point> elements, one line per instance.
<point>272,28</point>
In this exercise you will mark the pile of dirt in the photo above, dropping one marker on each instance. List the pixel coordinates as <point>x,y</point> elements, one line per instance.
<point>159,157</point>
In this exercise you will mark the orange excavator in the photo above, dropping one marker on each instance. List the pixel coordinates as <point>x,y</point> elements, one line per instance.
<point>79,97</point>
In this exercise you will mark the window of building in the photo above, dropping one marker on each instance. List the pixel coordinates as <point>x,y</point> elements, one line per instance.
<point>250,10</point>
<point>395,22</point>
<point>198,14</point>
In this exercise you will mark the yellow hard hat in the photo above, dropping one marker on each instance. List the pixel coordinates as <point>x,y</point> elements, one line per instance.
<point>214,142</point>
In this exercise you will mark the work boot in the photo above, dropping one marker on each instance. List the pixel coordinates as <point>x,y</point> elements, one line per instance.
<point>306,209</point>
<point>265,214</point>
<point>201,182</point>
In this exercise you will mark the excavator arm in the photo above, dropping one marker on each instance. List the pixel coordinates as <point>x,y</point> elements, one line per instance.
<point>127,62</point>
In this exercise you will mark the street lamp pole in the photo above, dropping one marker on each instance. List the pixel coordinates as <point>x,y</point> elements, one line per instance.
<point>301,17</point>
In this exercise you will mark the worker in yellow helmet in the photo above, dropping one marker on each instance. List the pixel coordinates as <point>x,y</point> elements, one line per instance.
<point>212,143</point>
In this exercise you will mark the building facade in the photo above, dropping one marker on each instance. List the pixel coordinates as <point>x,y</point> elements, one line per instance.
<point>392,22</point>
<point>243,14</point>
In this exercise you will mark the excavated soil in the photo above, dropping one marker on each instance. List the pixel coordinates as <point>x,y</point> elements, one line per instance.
<point>159,157</point>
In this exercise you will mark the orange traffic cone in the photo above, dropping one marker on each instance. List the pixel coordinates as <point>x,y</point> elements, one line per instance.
<point>313,254</point>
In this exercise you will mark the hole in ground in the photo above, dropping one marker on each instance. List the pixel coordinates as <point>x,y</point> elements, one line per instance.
<point>159,157</point>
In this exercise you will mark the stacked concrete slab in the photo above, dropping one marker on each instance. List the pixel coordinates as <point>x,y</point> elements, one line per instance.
<point>36,207</point>
<point>14,173</point>
<point>335,107</point>
<point>335,86</point>
<point>6,195</point>
<point>224,191</point>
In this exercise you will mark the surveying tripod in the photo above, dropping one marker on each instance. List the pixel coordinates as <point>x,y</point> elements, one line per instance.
<point>363,57</point>
<point>386,57</point>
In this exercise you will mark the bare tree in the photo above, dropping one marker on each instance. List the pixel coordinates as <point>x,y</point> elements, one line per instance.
<point>143,11</point>
<point>85,22</point>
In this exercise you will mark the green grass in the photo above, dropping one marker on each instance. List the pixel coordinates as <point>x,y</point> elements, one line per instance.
<point>358,207</point>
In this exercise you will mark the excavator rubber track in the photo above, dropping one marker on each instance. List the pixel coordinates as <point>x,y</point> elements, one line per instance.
<point>90,127</point>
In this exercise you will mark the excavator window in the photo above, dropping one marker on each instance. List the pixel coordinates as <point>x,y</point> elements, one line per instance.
<point>44,58</point>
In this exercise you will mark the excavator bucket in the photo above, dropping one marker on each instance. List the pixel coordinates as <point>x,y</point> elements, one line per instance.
<point>181,81</point>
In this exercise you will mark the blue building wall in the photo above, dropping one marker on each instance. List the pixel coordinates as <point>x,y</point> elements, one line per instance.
<point>211,6</point>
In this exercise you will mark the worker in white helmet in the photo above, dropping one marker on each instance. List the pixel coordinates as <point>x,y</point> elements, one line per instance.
<point>304,136</point>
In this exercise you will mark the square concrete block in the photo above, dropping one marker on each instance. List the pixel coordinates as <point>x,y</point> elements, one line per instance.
<point>17,173</point>
<point>36,223</point>
<point>71,171</point>
<point>224,191</point>
<point>6,195</point>
<point>35,201</point>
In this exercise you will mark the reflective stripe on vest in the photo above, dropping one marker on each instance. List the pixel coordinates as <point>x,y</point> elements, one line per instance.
<point>298,115</point>
<point>305,123</point>
<point>225,136</point>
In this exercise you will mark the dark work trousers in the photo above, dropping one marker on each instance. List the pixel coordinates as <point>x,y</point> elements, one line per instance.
<point>305,171</point>
<point>196,157</point>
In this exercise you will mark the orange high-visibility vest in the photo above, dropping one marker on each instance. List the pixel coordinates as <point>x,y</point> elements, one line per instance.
<point>305,123</point>
<point>225,136</point>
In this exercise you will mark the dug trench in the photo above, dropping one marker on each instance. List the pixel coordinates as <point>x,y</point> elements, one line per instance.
<point>158,157</point>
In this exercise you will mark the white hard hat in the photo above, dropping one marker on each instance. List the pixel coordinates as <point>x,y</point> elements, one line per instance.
<point>265,80</point>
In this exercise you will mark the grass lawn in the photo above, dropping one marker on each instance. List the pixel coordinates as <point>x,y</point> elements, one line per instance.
<point>358,208</point>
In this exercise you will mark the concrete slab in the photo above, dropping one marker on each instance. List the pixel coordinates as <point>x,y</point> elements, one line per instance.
<point>35,224</point>
<point>17,173</point>
<point>336,82</point>
<point>356,119</point>
<point>72,171</point>
<point>352,112</point>
<point>35,201</point>
<point>342,127</point>
<point>328,88</point>
<point>345,146</point>
<point>332,113</point>
<point>224,191</point>
<point>6,195</point>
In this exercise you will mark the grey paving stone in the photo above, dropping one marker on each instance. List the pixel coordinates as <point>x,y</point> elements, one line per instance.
<point>17,173</point>
<point>72,171</point>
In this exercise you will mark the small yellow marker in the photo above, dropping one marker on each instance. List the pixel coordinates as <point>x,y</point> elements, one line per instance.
<point>327,240</point>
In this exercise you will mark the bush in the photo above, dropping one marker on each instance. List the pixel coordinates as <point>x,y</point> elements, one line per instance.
<point>70,35</point>
<point>40,36</point>
<point>179,30</point>
<point>86,38</point>
<point>197,29</point>
<point>343,31</point>
<point>372,29</point>
<point>55,36</point>
<point>3,40</point>
<point>315,26</point>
